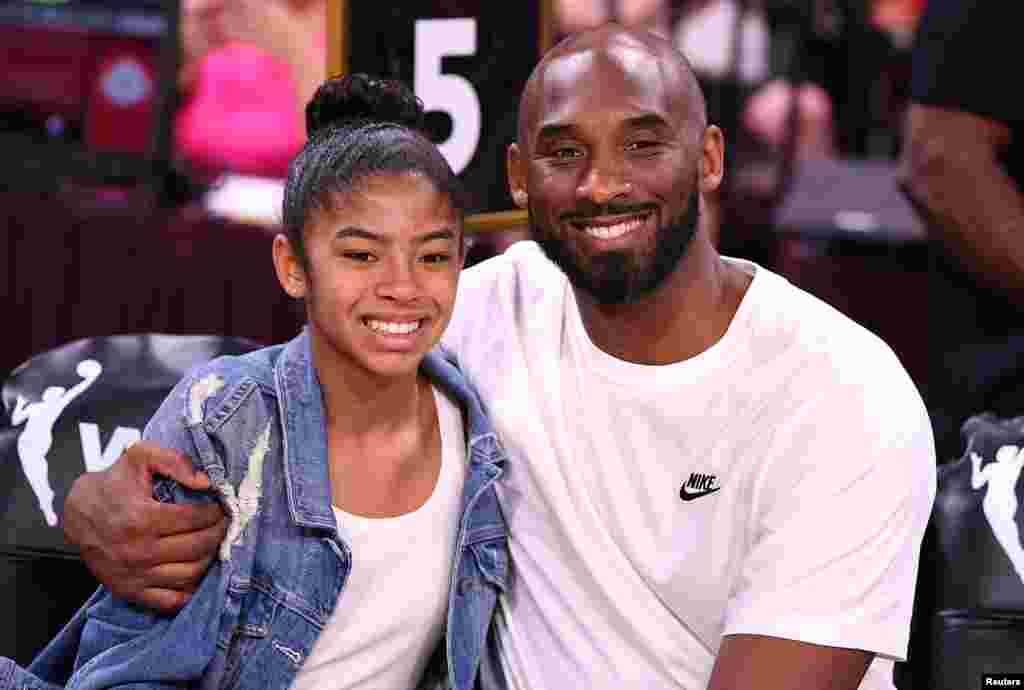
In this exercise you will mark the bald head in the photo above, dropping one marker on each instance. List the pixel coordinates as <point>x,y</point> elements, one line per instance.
<point>636,53</point>
<point>614,160</point>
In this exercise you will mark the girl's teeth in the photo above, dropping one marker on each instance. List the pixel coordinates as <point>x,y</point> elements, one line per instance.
<point>392,327</point>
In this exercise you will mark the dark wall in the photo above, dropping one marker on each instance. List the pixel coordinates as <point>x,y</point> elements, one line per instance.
<point>70,270</point>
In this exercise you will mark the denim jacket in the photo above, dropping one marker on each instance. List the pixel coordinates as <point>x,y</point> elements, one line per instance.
<point>255,424</point>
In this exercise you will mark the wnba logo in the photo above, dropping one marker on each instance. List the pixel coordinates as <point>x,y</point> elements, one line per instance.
<point>36,440</point>
<point>1000,503</point>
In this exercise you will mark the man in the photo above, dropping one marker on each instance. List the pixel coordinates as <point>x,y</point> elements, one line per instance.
<point>715,480</point>
<point>963,167</point>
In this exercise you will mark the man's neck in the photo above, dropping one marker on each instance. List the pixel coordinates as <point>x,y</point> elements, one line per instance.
<point>683,317</point>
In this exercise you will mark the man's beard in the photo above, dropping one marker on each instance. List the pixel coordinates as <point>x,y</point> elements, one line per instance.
<point>621,277</point>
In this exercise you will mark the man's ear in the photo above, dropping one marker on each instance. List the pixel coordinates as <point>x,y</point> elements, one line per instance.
<point>515,167</point>
<point>291,272</point>
<point>712,159</point>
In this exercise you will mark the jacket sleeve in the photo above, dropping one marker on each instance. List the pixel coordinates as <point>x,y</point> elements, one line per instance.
<point>121,644</point>
<point>14,677</point>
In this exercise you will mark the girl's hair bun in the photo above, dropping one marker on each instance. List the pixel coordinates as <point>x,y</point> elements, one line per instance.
<point>359,97</point>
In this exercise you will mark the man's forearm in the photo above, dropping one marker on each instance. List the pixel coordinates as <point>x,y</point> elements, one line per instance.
<point>757,662</point>
<point>952,174</point>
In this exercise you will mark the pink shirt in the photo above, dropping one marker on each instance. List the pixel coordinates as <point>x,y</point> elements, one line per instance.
<point>242,113</point>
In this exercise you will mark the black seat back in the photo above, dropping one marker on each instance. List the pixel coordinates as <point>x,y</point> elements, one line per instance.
<point>66,411</point>
<point>970,615</point>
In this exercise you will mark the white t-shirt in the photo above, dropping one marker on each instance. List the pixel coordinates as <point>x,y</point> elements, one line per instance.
<point>391,613</point>
<point>802,446</point>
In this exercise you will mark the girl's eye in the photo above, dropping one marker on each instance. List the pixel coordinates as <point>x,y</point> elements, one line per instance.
<point>437,258</point>
<point>359,256</point>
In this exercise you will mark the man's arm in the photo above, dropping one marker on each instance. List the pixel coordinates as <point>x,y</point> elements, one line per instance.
<point>151,553</point>
<point>772,663</point>
<point>839,512</point>
<point>951,171</point>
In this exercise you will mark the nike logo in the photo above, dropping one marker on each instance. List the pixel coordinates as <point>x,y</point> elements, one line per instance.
<point>698,485</point>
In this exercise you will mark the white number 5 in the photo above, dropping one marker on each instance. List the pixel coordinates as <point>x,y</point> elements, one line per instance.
<point>451,93</point>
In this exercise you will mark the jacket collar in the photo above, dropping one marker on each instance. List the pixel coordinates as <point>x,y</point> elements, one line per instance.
<point>303,423</point>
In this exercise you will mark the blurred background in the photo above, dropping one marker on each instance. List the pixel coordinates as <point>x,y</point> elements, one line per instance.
<point>145,143</point>
<point>147,139</point>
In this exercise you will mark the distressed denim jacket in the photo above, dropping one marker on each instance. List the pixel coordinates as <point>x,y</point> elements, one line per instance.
<point>255,424</point>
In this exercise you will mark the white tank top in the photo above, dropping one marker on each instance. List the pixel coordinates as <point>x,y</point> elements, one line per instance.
<point>391,613</point>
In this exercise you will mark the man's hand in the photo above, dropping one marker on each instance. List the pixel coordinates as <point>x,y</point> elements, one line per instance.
<point>145,551</point>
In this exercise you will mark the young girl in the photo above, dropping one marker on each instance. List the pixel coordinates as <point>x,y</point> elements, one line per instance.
<point>354,462</point>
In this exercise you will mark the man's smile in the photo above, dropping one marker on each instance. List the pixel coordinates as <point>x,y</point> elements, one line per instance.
<point>612,227</point>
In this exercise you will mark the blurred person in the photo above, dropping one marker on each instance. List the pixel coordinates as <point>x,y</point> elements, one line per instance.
<point>683,428</point>
<point>572,16</point>
<point>248,69</point>
<point>963,168</point>
<point>898,18</point>
<point>729,39</point>
<point>355,461</point>
<point>749,57</point>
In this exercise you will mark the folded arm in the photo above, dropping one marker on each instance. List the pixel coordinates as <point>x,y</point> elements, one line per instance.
<point>952,173</point>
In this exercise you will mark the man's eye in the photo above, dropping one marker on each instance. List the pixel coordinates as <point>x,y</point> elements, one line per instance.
<point>566,153</point>
<point>644,144</point>
<point>438,258</point>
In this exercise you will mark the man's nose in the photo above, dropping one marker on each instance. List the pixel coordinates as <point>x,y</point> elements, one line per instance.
<point>603,181</point>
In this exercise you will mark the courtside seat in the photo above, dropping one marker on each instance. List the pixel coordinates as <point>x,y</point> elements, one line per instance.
<point>972,642</point>
<point>970,615</point>
<point>67,411</point>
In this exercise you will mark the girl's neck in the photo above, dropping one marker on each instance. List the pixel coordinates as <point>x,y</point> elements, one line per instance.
<point>360,404</point>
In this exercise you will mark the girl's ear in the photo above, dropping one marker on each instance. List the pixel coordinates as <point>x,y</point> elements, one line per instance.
<point>290,269</point>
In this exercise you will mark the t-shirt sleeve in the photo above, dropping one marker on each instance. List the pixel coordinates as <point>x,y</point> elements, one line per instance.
<point>959,48</point>
<point>840,508</point>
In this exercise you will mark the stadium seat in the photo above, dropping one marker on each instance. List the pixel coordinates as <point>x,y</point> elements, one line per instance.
<point>67,411</point>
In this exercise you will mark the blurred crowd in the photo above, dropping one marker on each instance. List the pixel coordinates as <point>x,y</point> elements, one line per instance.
<point>248,68</point>
<point>776,71</point>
